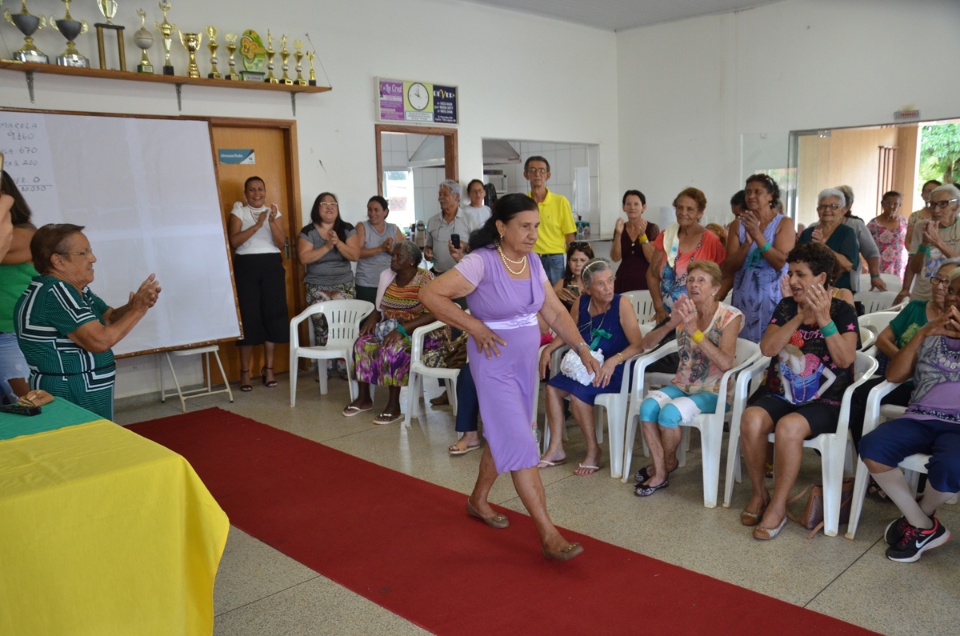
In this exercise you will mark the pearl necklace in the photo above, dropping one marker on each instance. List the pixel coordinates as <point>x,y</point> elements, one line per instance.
<point>506,262</point>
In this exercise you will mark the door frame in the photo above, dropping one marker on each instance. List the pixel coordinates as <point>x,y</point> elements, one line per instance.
<point>451,164</point>
<point>294,218</point>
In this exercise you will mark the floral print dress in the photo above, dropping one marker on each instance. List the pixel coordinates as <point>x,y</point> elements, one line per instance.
<point>893,254</point>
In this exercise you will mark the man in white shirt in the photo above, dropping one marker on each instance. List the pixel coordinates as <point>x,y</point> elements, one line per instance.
<point>441,228</point>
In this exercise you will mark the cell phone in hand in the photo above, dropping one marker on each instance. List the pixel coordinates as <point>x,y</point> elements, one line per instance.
<point>455,239</point>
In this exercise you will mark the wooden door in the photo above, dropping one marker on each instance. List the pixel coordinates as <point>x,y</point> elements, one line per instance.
<point>274,147</point>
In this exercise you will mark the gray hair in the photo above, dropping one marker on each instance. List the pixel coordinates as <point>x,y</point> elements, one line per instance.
<point>847,193</point>
<point>948,261</point>
<point>947,187</point>
<point>593,267</point>
<point>832,192</point>
<point>410,250</point>
<point>452,186</point>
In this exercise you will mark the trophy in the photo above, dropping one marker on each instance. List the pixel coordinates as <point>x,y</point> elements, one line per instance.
<point>270,53</point>
<point>298,55</point>
<point>144,40</point>
<point>191,42</point>
<point>313,77</point>
<point>166,31</point>
<point>70,29</point>
<point>213,46</point>
<point>254,57</point>
<point>109,9</point>
<point>28,25</point>
<point>285,58</point>
<point>231,39</point>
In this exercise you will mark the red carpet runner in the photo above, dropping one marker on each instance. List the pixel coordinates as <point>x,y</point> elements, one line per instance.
<point>409,546</point>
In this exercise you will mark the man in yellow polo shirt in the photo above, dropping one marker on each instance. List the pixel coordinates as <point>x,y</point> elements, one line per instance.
<point>557,227</point>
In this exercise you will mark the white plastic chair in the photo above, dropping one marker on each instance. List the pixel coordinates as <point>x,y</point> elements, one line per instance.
<point>642,304</point>
<point>912,466</point>
<point>867,338</point>
<point>835,448</point>
<point>876,301</point>
<point>418,371</point>
<point>710,426</point>
<point>344,317</point>
<point>894,283</point>
<point>876,322</point>
<point>613,405</point>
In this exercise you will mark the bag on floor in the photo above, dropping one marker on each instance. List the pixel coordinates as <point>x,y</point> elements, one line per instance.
<point>812,517</point>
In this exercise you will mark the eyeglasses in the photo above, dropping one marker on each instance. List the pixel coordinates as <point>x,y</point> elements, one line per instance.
<point>831,207</point>
<point>81,254</point>
<point>537,170</point>
<point>933,205</point>
<point>937,281</point>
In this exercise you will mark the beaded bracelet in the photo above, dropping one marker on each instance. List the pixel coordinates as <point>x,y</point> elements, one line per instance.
<point>766,246</point>
<point>698,336</point>
<point>829,329</point>
<point>643,238</point>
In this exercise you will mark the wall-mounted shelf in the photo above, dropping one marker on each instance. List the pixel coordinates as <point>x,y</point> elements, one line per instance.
<point>29,68</point>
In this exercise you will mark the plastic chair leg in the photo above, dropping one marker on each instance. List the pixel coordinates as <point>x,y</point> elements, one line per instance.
<point>413,398</point>
<point>322,370</point>
<point>711,439</point>
<point>293,380</point>
<point>832,487</point>
<point>615,420</point>
<point>859,493</point>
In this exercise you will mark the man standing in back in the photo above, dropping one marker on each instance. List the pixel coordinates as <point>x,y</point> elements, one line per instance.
<point>557,227</point>
<point>441,228</point>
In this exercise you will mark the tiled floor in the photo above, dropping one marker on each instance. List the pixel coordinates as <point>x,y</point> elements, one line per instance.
<point>261,592</point>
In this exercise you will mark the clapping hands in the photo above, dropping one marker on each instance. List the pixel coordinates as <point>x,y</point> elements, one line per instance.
<point>147,295</point>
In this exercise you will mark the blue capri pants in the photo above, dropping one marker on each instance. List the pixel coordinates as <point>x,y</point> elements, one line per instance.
<point>670,406</point>
<point>895,440</point>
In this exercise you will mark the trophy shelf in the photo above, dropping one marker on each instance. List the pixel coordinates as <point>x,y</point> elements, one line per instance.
<point>29,68</point>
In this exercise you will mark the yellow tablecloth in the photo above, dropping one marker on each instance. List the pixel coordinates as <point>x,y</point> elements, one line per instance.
<point>104,532</point>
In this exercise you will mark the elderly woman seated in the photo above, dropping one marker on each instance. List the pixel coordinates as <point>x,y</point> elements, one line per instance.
<point>382,351</point>
<point>812,339</point>
<point>608,322</point>
<point>707,333</point>
<point>930,425</point>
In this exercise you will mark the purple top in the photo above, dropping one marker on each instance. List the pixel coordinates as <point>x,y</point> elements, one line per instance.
<point>501,297</point>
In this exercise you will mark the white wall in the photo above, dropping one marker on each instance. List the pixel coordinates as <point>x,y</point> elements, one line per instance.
<point>520,77</point>
<point>689,90</point>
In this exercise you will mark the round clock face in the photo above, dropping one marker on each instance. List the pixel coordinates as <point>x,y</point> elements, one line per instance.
<point>418,96</point>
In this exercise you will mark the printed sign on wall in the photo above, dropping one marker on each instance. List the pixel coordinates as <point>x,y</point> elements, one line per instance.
<point>416,102</point>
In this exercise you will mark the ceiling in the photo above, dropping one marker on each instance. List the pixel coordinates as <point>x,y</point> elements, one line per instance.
<point>617,15</point>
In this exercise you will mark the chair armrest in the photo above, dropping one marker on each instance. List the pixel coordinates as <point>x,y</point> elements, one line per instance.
<point>645,360</point>
<point>872,416</point>
<point>729,373</point>
<point>844,422</point>
<point>416,338</point>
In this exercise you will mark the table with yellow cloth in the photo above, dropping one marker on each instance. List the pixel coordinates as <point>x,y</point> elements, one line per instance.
<point>102,531</point>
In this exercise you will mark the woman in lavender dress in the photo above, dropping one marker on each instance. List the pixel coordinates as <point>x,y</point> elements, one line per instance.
<point>505,289</point>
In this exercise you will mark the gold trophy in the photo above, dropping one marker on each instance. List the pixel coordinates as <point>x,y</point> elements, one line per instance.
<point>144,40</point>
<point>166,32</point>
<point>109,9</point>
<point>70,29</point>
<point>213,46</point>
<point>270,53</point>
<point>298,55</point>
<point>192,42</point>
<point>28,25</point>
<point>231,39</point>
<point>285,57</point>
<point>313,77</point>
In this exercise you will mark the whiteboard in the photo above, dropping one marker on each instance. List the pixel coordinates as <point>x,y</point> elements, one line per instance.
<point>146,192</point>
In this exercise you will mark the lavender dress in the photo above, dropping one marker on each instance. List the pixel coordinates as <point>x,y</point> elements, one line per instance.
<point>506,385</point>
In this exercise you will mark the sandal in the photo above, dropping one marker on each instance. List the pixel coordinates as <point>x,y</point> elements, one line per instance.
<point>646,491</point>
<point>644,474</point>
<point>766,534</point>
<point>246,388</point>
<point>387,418</point>
<point>457,449</point>
<point>272,384</point>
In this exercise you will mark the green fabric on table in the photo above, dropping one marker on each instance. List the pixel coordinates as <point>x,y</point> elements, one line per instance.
<point>57,414</point>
